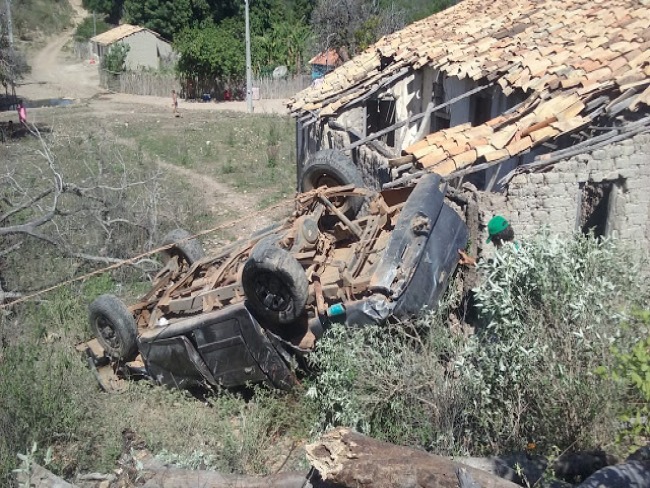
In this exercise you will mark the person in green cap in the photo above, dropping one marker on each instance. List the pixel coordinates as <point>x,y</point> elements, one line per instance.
<point>499,232</point>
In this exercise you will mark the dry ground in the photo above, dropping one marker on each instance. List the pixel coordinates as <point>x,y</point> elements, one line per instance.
<point>57,74</point>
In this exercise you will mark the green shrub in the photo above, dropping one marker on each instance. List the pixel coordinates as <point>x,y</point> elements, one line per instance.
<point>88,28</point>
<point>115,59</point>
<point>551,309</point>
<point>549,313</point>
<point>632,371</point>
<point>389,382</point>
<point>41,401</point>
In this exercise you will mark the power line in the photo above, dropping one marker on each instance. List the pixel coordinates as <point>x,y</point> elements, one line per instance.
<point>135,259</point>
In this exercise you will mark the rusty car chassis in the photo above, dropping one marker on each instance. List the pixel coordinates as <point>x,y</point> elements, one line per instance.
<point>241,315</point>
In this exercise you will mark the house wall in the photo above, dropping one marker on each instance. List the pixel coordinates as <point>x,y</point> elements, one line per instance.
<point>554,199</point>
<point>143,52</point>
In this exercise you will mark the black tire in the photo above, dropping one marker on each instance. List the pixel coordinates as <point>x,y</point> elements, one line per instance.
<point>275,284</point>
<point>114,327</point>
<point>329,168</point>
<point>190,250</point>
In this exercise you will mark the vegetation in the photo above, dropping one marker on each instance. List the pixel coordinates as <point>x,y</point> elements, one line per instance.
<point>46,17</point>
<point>550,312</point>
<point>61,408</point>
<point>115,59</point>
<point>632,371</point>
<point>90,27</point>
<point>209,35</point>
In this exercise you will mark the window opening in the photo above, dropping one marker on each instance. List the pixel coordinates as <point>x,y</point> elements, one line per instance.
<point>594,208</point>
<point>440,119</point>
<point>380,115</point>
<point>481,108</point>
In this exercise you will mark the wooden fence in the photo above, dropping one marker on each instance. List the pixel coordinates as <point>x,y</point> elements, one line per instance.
<point>159,84</point>
<point>82,50</point>
<point>140,82</point>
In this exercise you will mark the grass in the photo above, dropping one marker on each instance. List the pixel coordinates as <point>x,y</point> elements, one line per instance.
<point>47,395</point>
<point>247,152</point>
<point>50,398</point>
<point>40,16</point>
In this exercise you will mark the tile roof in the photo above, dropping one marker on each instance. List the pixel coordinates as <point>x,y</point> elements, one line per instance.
<point>574,58</point>
<point>118,33</point>
<point>329,58</point>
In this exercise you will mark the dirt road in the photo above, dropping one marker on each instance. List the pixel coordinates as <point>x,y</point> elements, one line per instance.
<point>56,73</point>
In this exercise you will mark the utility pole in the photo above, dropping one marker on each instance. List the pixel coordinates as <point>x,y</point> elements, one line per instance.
<point>249,75</point>
<point>10,26</point>
<point>94,24</point>
<point>10,38</point>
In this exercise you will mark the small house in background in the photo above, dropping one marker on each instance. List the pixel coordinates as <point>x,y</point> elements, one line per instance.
<point>146,48</point>
<point>323,63</point>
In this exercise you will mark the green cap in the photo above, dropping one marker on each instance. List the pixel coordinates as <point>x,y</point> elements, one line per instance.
<point>496,225</point>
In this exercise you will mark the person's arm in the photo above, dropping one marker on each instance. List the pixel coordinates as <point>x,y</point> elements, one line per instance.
<point>466,259</point>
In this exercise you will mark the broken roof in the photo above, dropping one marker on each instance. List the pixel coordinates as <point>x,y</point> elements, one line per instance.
<point>118,33</point>
<point>576,59</point>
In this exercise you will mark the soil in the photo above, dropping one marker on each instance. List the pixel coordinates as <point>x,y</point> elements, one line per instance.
<point>57,74</point>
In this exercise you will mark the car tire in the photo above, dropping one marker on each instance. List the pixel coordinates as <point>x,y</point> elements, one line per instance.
<point>329,168</point>
<point>189,250</point>
<point>114,327</point>
<point>275,283</point>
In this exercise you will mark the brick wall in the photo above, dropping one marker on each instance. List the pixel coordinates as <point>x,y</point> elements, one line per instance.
<point>560,197</point>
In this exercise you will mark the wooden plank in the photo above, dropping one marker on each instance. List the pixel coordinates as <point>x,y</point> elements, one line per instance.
<point>376,135</point>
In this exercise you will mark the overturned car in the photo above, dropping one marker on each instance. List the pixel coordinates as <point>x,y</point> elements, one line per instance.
<point>347,255</point>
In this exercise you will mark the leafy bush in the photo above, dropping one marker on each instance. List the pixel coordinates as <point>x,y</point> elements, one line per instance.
<point>88,28</point>
<point>549,313</point>
<point>389,382</point>
<point>632,370</point>
<point>115,59</point>
<point>551,309</point>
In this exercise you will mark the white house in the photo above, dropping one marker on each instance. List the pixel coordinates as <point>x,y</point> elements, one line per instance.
<point>146,48</point>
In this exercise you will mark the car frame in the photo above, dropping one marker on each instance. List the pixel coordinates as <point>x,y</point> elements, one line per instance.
<point>346,254</point>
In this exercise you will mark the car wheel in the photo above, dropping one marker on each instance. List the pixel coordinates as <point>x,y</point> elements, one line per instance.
<point>189,250</point>
<point>114,327</point>
<point>329,168</point>
<point>275,284</point>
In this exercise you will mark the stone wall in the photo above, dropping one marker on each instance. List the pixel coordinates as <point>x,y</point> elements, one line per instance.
<point>570,195</point>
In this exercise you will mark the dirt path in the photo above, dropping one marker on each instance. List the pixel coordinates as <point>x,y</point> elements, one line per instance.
<point>57,74</point>
<point>222,200</point>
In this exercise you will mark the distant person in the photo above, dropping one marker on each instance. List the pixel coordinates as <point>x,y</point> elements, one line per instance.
<point>175,104</point>
<point>499,232</point>
<point>22,114</point>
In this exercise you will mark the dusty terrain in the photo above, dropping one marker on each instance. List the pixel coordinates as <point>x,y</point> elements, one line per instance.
<point>57,74</point>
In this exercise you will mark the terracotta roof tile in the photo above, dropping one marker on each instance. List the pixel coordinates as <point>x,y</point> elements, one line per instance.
<point>566,54</point>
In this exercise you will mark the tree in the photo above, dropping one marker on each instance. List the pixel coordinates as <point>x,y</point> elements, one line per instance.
<point>98,216</point>
<point>115,60</point>
<point>12,62</point>
<point>213,52</point>
<point>284,44</point>
<point>168,17</point>
<point>353,24</point>
<point>111,8</point>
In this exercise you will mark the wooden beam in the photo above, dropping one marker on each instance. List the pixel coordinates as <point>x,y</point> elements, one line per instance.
<point>414,118</point>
